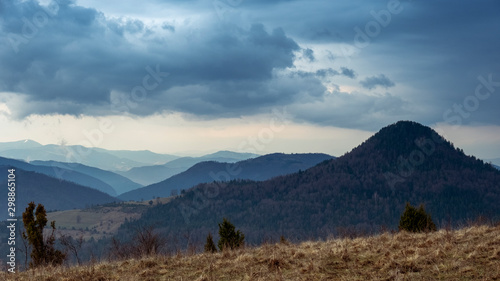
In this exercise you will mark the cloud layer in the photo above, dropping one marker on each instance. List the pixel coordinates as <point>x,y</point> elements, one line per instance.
<point>242,58</point>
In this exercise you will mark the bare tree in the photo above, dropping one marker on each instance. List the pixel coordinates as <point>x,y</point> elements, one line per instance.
<point>119,250</point>
<point>73,245</point>
<point>26,249</point>
<point>146,242</point>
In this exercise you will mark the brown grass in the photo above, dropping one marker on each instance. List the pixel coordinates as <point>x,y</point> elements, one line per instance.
<point>100,221</point>
<point>467,254</point>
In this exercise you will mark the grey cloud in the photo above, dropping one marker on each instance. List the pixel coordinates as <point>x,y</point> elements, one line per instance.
<point>326,72</point>
<point>168,26</point>
<point>344,71</point>
<point>435,49</point>
<point>348,72</point>
<point>308,54</point>
<point>219,99</point>
<point>375,81</point>
<point>353,110</point>
<point>79,57</point>
<point>122,26</point>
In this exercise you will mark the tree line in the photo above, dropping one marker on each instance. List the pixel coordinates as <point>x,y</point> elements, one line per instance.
<point>148,242</point>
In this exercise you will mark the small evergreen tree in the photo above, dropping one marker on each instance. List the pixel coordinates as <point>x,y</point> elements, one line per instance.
<point>416,220</point>
<point>43,251</point>
<point>229,238</point>
<point>210,245</point>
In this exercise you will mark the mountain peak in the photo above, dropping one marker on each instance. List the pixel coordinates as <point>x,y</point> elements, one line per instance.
<point>407,148</point>
<point>403,137</point>
<point>407,130</point>
<point>231,154</point>
<point>20,144</point>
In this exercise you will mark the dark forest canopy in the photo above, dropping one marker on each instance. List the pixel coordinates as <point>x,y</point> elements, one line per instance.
<point>365,189</point>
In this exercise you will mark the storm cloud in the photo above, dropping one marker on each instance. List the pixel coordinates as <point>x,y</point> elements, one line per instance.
<point>375,81</point>
<point>243,58</point>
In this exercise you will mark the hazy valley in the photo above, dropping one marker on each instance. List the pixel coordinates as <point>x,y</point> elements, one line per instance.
<point>302,197</point>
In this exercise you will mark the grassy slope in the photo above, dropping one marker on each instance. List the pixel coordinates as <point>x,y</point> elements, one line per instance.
<point>467,254</point>
<point>99,221</point>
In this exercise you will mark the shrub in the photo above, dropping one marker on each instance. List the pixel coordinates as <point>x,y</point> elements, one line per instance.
<point>210,245</point>
<point>229,238</point>
<point>416,220</point>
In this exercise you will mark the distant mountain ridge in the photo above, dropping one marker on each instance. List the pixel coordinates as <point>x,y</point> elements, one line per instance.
<point>260,168</point>
<point>53,193</point>
<point>110,160</point>
<point>148,175</point>
<point>363,190</point>
<point>119,183</point>
<point>22,144</point>
<point>495,161</point>
<point>61,174</point>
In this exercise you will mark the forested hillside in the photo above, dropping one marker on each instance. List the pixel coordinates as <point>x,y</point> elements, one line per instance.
<point>53,193</point>
<point>362,191</point>
<point>260,168</point>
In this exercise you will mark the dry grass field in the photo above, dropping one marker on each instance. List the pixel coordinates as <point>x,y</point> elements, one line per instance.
<point>99,221</point>
<point>471,253</point>
<point>92,223</point>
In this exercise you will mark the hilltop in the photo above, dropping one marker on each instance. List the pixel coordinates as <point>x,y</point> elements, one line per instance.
<point>471,253</point>
<point>259,168</point>
<point>149,175</point>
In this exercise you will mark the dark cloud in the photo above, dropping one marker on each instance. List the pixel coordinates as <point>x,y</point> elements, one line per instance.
<point>168,26</point>
<point>219,99</point>
<point>352,110</point>
<point>308,54</point>
<point>375,81</point>
<point>329,72</point>
<point>326,72</point>
<point>348,72</point>
<point>436,50</point>
<point>80,57</point>
<point>75,60</point>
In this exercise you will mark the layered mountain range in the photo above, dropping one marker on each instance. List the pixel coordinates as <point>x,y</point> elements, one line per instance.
<point>260,168</point>
<point>364,190</point>
<point>300,196</point>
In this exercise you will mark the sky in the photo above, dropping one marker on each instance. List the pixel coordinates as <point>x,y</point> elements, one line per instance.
<point>197,76</point>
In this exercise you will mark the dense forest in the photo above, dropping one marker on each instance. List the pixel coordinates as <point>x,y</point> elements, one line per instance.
<point>259,168</point>
<point>362,191</point>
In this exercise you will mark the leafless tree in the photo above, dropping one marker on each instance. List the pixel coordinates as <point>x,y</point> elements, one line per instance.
<point>73,245</point>
<point>146,242</point>
<point>26,247</point>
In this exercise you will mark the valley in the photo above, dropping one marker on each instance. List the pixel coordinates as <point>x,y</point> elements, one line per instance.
<point>303,197</point>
